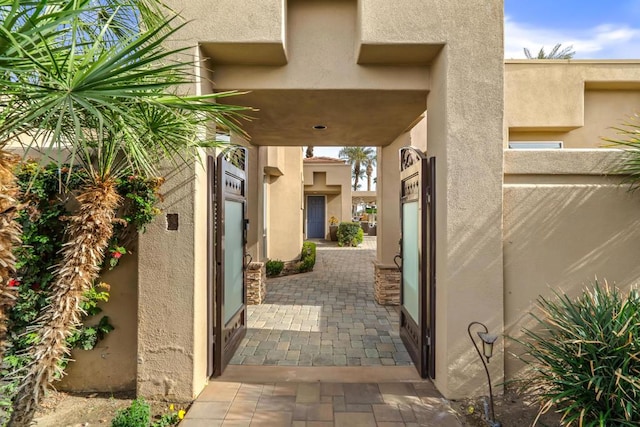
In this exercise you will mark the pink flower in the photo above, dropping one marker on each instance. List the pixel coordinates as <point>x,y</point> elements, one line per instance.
<point>116,255</point>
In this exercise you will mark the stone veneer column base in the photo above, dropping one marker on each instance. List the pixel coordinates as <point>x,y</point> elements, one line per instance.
<point>387,285</point>
<point>256,283</point>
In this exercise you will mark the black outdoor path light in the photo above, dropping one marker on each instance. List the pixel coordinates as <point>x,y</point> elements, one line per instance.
<point>487,350</point>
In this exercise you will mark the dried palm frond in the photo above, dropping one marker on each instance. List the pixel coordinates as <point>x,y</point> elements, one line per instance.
<point>89,231</point>
<point>10,237</point>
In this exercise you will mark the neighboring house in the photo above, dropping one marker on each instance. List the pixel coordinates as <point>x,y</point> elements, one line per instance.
<point>327,191</point>
<point>511,224</point>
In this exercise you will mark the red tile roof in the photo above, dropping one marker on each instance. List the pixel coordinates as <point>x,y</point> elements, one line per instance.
<point>322,160</point>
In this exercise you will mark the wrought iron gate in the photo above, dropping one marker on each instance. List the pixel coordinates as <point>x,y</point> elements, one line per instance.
<point>417,283</point>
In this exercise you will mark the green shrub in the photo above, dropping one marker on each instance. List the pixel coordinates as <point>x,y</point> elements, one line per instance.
<point>274,267</point>
<point>47,195</point>
<point>350,234</point>
<point>584,357</point>
<point>307,257</point>
<point>136,415</point>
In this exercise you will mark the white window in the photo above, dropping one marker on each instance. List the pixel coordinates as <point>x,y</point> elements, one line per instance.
<point>535,145</point>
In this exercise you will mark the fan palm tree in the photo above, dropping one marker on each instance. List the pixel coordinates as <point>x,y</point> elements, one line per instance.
<point>22,26</point>
<point>370,163</point>
<point>102,86</point>
<point>309,152</point>
<point>356,157</point>
<point>555,53</point>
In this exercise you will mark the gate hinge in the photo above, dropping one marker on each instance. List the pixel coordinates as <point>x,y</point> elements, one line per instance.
<point>428,339</point>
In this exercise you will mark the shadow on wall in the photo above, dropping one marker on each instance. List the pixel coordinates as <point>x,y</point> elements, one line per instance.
<point>473,249</point>
<point>560,237</point>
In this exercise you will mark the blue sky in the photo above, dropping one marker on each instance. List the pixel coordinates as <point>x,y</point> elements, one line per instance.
<point>597,29</point>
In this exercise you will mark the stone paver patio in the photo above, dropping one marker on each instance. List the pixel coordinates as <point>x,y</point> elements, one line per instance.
<point>320,404</point>
<point>327,317</point>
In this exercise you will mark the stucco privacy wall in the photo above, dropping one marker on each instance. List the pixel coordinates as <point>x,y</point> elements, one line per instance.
<point>94,370</point>
<point>565,223</point>
<point>465,133</point>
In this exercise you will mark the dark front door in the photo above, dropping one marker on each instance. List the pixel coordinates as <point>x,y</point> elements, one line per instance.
<point>315,217</point>
<point>228,318</point>
<point>417,296</point>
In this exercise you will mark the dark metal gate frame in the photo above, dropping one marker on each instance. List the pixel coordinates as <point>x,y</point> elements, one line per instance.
<point>227,180</point>
<point>417,176</point>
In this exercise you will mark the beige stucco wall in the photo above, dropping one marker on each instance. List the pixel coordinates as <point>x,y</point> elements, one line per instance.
<point>94,370</point>
<point>565,224</point>
<point>388,190</point>
<point>576,102</point>
<point>316,58</point>
<point>172,290</point>
<point>285,205</point>
<point>255,35</point>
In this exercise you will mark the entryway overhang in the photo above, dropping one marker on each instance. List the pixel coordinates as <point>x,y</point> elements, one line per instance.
<point>330,117</point>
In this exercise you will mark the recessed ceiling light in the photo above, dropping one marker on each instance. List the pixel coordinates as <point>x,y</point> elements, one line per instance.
<point>319,127</point>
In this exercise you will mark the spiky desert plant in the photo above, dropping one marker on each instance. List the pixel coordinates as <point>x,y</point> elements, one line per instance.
<point>584,357</point>
<point>628,139</point>
<point>9,239</point>
<point>109,97</point>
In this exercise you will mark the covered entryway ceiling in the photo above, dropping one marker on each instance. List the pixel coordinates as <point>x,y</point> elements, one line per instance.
<point>351,117</point>
<point>308,63</point>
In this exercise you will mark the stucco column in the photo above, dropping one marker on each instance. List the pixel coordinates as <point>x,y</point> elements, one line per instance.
<point>465,134</point>
<point>172,278</point>
<point>172,291</point>
<point>388,200</point>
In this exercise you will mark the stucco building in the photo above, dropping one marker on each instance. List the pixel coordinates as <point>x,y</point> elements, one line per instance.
<point>509,224</point>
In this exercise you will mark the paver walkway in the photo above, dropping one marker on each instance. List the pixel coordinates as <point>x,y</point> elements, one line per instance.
<point>320,404</point>
<point>327,317</point>
<point>317,326</point>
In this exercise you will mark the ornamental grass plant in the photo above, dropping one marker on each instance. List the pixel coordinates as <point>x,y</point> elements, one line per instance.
<point>584,357</point>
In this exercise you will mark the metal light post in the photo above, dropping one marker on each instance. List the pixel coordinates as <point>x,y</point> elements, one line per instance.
<point>487,350</point>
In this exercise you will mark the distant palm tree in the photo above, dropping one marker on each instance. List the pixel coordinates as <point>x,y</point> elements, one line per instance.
<point>555,53</point>
<point>370,163</point>
<point>357,157</point>
<point>309,152</point>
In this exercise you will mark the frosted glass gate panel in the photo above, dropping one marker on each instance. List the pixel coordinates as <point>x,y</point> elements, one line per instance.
<point>410,261</point>
<point>233,258</point>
